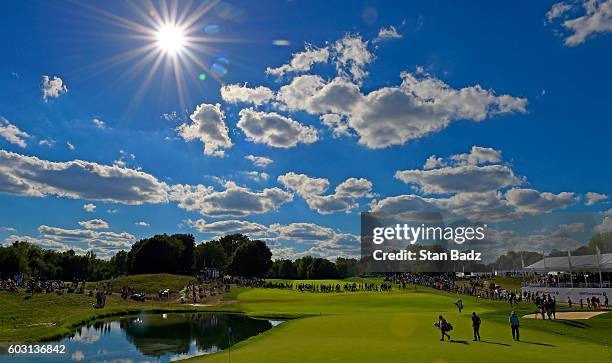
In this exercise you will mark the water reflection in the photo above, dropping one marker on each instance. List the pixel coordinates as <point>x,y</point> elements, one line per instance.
<point>154,337</point>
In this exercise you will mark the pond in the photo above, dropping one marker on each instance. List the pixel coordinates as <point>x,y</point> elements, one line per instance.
<point>152,338</point>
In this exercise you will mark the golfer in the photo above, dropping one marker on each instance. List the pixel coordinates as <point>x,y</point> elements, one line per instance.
<point>476,326</point>
<point>514,324</point>
<point>459,304</point>
<point>444,327</point>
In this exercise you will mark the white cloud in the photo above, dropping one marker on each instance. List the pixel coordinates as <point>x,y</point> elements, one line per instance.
<point>53,88</point>
<point>478,155</point>
<point>257,176</point>
<point>311,189</point>
<point>70,145</point>
<point>314,95</point>
<point>78,179</point>
<point>124,159</point>
<point>209,127</point>
<point>304,185</point>
<point>233,201</point>
<point>260,161</point>
<point>337,124</point>
<point>235,93</point>
<point>99,123</point>
<point>47,142</point>
<point>94,224</point>
<point>105,238</point>
<point>594,198</point>
<point>89,207</point>
<point>301,61</point>
<point>420,106</point>
<point>395,115</point>
<point>275,130</point>
<point>170,116</point>
<point>434,162</point>
<point>564,228</point>
<point>103,243</point>
<point>7,229</point>
<point>142,224</point>
<point>606,223</point>
<point>596,19</point>
<point>351,55</point>
<point>471,190</point>
<point>390,32</point>
<point>533,201</point>
<point>466,178</point>
<point>556,11</point>
<point>490,205</point>
<point>222,228</point>
<point>12,133</point>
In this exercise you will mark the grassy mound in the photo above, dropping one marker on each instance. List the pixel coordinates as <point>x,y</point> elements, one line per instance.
<point>148,283</point>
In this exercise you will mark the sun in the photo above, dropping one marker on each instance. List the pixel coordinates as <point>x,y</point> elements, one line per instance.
<point>170,39</point>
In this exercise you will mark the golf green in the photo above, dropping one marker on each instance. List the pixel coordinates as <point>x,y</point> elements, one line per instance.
<point>398,327</point>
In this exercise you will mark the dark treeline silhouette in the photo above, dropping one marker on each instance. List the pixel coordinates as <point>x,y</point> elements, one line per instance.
<point>314,268</point>
<point>234,254</point>
<point>176,254</point>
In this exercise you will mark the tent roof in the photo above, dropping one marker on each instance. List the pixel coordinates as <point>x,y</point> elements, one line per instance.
<point>601,262</point>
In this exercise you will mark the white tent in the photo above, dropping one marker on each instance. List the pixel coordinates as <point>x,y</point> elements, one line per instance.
<point>598,262</point>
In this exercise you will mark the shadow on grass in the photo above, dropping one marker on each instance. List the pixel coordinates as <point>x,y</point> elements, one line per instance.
<point>572,323</point>
<point>535,343</point>
<point>496,343</point>
<point>459,341</point>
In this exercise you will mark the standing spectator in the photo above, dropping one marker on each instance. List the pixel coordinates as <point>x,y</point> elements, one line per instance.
<point>514,324</point>
<point>476,326</point>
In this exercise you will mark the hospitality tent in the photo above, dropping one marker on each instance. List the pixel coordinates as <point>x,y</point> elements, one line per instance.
<point>597,262</point>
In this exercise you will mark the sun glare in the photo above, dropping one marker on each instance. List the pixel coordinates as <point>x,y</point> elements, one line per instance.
<point>173,39</point>
<point>170,39</point>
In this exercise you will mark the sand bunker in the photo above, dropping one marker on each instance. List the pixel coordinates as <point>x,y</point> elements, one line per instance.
<point>570,315</point>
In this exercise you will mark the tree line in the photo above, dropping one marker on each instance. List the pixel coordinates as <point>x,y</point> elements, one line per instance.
<point>234,254</point>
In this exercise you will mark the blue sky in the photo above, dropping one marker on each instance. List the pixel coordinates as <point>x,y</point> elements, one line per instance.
<point>513,101</point>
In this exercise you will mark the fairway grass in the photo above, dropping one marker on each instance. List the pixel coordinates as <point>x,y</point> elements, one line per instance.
<point>398,327</point>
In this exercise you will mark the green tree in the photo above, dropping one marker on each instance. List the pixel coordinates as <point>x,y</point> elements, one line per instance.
<point>187,255</point>
<point>322,268</point>
<point>161,253</point>
<point>303,266</point>
<point>120,263</point>
<point>251,259</point>
<point>346,267</point>
<point>210,254</point>
<point>231,242</point>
